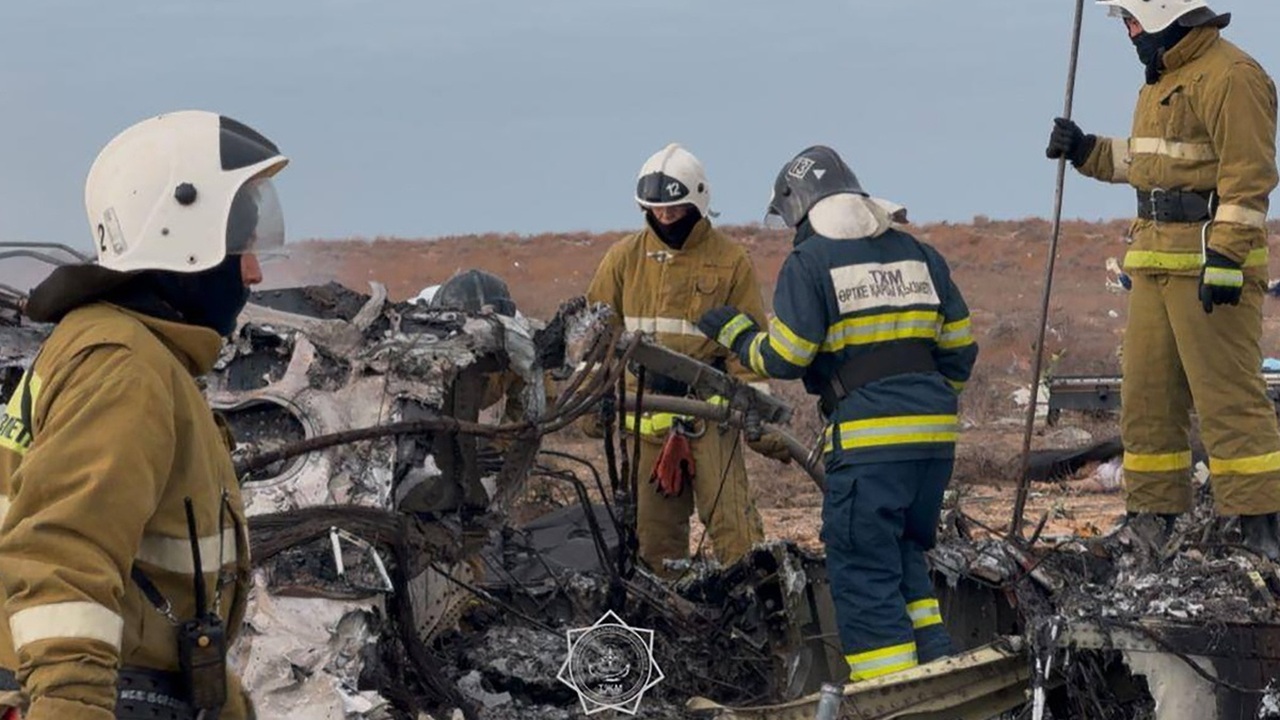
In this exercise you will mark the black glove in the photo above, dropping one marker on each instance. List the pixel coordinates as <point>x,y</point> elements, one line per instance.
<point>1221,281</point>
<point>1069,141</point>
<point>728,326</point>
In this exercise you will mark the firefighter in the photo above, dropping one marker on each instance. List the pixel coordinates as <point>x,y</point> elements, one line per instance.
<point>660,281</point>
<point>870,319</point>
<point>1202,158</point>
<point>108,437</point>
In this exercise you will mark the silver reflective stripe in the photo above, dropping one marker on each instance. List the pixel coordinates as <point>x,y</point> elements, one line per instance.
<point>890,329</point>
<point>66,620</point>
<point>1172,149</point>
<point>896,430</point>
<point>174,554</point>
<point>1120,159</point>
<point>906,657</point>
<point>1242,215</point>
<point>956,337</point>
<point>672,326</point>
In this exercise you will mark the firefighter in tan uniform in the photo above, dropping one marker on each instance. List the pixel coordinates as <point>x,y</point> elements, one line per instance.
<point>660,281</point>
<point>108,438</point>
<point>1202,158</point>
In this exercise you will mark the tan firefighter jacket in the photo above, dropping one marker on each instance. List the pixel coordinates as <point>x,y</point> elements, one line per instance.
<point>119,435</point>
<point>655,289</point>
<point>1209,123</point>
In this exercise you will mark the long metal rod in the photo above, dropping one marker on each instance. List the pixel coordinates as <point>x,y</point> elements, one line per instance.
<point>1020,502</point>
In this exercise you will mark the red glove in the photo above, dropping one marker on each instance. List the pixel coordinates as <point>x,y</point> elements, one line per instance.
<point>675,466</point>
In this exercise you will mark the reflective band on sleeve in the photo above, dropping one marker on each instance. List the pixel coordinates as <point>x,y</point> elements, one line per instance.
<point>1172,149</point>
<point>1223,277</point>
<point>875,663</point>
<point>732,329</point>
<point>1120,159</point>
<point>924,613</point>
<point>755,357</point>
<point>1244,466</point>
<point>1159,260</point>
<point>14,433</point>
<point>789,345</point>
<point>1164,462</point>
<point>174,554</point>
<point>671,326</point>
<point>1241,215</point>
<point>956,334</point>
<point>76,620</point>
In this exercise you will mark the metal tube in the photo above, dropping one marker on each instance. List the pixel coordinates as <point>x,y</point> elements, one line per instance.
<point>1020,501</point>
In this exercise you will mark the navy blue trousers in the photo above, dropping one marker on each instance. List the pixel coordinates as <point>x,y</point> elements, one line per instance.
<point>877,522</point>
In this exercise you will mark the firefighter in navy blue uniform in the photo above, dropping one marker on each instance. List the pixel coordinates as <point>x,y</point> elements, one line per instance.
<point>869,318</point>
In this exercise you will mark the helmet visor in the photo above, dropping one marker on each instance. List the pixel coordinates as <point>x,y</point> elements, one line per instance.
<point>256,224</point>
<point>659,189</point>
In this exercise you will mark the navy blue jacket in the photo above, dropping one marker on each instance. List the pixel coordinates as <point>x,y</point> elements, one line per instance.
<point>837,300</point>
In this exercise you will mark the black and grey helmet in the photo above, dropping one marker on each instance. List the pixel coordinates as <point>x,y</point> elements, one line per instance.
<point>814,174</point>
<point>471,290</point>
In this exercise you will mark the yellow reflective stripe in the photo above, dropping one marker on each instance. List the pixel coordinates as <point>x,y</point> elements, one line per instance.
<point>77,620</point>
<point>956,334</point>
<point>1120,159</point>
<point>1241,215</point>
<point>1172,149</point>
<point>732,329</point>
<point>670,326</point>
<point>1162,462</point>
<point>924,613</point>
<point>900,430</point>
<point>790,346</point>
<point>875,663</point>
<point>754,357</point>
<point>1244,466</point>
<point>14,435</point>
<point>956,385</point>
<point>882,328</point>
<point>174,554</point>
<point>1160,260</point>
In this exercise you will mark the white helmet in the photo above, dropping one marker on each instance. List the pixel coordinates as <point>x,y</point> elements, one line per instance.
<point>673,176</point>
<point>1156,15</point>
<point>181,192</point>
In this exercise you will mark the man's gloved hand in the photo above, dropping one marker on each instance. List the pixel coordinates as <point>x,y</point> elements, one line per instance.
<point>727,326</point>
<point>1069,141</point>
<point>675,467</point>
<point>1221,281</point>
<point>771,445</point>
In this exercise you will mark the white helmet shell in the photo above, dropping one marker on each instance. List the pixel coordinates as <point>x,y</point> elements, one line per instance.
<point>1154,15</point>
<point>673,176</point>
<point>161,194</point>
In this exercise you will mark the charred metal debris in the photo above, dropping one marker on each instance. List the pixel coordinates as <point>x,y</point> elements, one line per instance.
<point>402,573</point>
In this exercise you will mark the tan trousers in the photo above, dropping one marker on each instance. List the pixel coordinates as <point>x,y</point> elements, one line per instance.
<point>1177,356</point>
<point>725,508</point>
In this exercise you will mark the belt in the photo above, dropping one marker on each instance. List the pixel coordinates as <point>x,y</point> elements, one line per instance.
<point>885,361</point>
<point>141,694</point>
<point>1177,205</point>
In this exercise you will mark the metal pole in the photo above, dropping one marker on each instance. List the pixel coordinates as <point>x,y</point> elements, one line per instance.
<point>1020,502</point>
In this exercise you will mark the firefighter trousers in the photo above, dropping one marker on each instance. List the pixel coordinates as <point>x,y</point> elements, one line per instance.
<point>1177,356</point>
<point>877,522</point>
<point>720,493</point>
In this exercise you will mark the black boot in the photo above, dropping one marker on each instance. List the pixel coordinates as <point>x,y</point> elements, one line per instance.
<point>1155,528</point>
<point>1261,533</point>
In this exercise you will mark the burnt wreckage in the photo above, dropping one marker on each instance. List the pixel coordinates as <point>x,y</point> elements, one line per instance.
<point>400,571</point>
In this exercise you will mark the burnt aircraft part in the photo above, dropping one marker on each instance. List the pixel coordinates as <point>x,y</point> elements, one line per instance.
<point>264,361</point>
<point>261,425</point>
<point>318,301</point>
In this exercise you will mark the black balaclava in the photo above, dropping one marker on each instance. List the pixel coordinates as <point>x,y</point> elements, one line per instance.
<point>211,298</point>
<point>1151,48</point>
<point>675,234</point>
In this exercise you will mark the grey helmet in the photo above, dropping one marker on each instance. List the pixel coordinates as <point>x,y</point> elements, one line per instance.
<point>814,174</point>
<point>471,290</point>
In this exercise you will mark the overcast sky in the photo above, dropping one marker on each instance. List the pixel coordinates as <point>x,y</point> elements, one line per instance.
<point>427,118</point>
